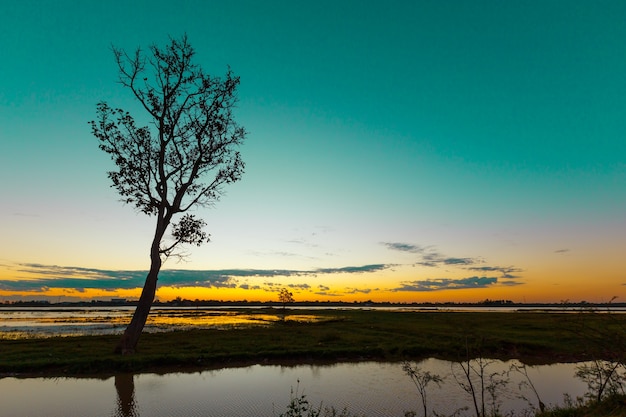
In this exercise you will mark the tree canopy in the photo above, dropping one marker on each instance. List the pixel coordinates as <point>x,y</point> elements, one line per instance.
<point>188,153</point>
<point>182,158</point>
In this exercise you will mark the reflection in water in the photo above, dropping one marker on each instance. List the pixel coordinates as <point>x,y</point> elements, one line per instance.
<point>125,387</point>
<point>369,389</point>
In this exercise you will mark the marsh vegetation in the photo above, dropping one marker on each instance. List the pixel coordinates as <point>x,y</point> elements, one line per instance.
<point>472,341</point>
<point>332,336</point>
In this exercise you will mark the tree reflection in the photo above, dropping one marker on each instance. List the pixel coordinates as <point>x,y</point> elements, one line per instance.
<point>125,387</point>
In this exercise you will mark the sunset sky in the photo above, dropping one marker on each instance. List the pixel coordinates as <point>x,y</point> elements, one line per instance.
<point>397,150</point>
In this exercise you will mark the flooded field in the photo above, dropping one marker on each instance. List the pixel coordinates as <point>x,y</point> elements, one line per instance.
<point>19,323</point>
<point>36,322</point>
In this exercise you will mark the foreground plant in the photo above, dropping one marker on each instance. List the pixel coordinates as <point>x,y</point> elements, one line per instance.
<point>610,406</point>
<point>603,378</point>
<point>527,382</point>
<point>299,406</point>
<point>482,386</point>
<point>421,379</point>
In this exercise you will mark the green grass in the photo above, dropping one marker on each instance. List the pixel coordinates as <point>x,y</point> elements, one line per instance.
<point>339,335</point>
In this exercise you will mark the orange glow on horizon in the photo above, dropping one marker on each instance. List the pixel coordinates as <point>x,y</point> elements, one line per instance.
<point>558,282</point>
<point>546,293</point>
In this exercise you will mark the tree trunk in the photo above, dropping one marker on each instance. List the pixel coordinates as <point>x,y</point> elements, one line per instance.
<point>128,343</point>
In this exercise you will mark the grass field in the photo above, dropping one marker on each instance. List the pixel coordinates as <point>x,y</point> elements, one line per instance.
<point>334,335</point>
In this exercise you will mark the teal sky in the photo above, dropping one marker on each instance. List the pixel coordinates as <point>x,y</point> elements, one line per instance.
<point>381,133</point>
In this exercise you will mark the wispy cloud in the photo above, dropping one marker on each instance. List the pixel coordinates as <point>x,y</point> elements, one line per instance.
<point>404,247</point>
<point>323,290</point>
<point>329,293</point>
<point>505,272</point>
<point>510,283</point>
<point>358,290</point>
<point>459,261</point>
<point>561,251</point>
<point>304,286</point>
<point>353,269</point>
<point>435,259</point>
<point>53,276</point>
<point>429,256</point>
<point>440,284</point>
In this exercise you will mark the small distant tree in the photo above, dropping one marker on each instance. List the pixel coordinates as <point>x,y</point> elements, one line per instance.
<point>285,297</point>
<point>181,160</point>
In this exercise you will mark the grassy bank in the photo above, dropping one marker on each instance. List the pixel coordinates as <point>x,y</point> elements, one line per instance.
<point>336,335</point>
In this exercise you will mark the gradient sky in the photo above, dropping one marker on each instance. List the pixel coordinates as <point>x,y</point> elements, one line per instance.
<point>398,150</point>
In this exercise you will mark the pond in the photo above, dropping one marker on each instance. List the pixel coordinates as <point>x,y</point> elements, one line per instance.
<point>366,388</point>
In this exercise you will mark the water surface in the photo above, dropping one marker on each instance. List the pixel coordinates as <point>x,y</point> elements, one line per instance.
<point>368,388</point>
<point>21,323</point>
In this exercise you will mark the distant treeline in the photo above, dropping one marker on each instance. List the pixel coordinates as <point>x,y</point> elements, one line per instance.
<point>182,302</point>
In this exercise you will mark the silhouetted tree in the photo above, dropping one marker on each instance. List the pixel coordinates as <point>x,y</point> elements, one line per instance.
<point>181,160</point>
<point>285,297</point>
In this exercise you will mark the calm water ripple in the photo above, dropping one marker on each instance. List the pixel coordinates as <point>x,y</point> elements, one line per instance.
<point>370,388</point>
